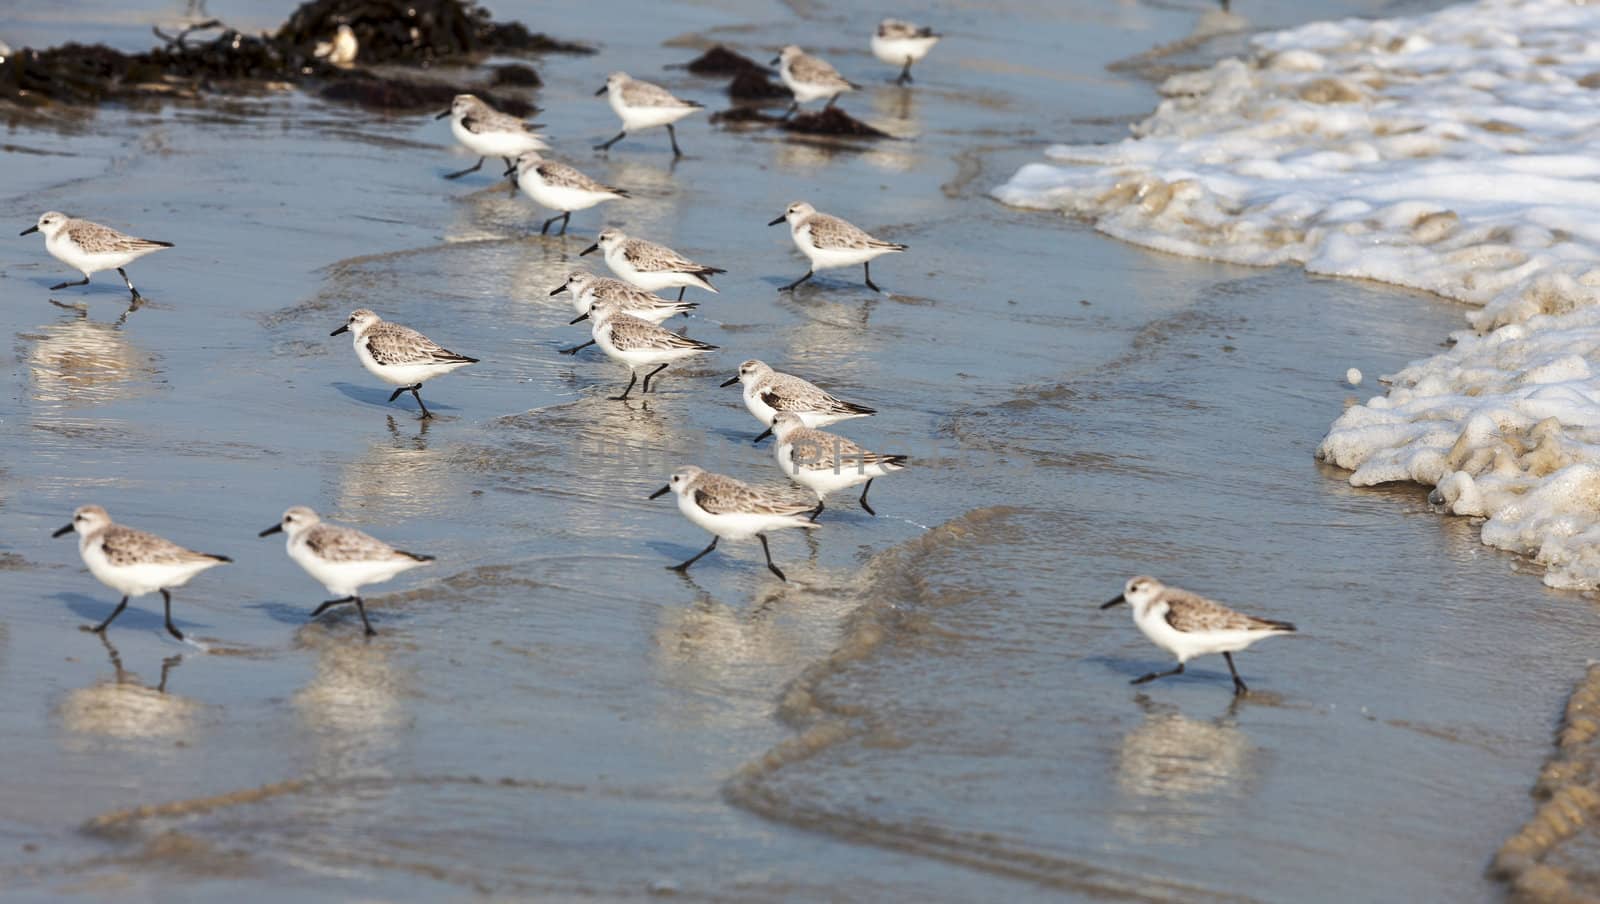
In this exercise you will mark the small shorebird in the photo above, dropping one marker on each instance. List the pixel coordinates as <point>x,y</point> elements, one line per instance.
<point>830,242</point>
<point>734,510</point>
<point>643,105</point>
<point>89,248</point>
<point>1188,625</point>
<point>638,343</point>
<point>650,266</point>
<point>342,50</point>
<point>826,462</point>
<point>809,78</point>
<point>560,187</point>
<point>586,289</point>
<point>342,559</point>
<point>900,43</point>
<point>767,392</point>
<point>399,355</point>
<point>487,132</point>
<point>133,562</point>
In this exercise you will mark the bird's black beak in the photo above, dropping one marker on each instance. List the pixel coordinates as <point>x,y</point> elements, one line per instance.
<point>778,220</point>
<point>561,288</point>
<point>63,531</point>
<point>1119,599</point>
<point>442,115</point>
<point>342,329</point>
<point>30,229</point>
<point>603,89</point>
<point>764,434</point>
<point>591,248</point>
<point>776,60</point>
<point>578,319</point>
<point>274,529</point>
<point>732,381</point>
<point>658,493</point>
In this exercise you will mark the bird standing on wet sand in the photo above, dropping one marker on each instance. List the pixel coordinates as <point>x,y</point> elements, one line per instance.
<point>89,248</point>
<point>637,343</point>
<point>650,266</point>
<point>733,510</point>
<point>134,562</point>
<point>399,355</point>
<point>342,559</point>
<point>560,187</point>
<point>644,105</point>
<point>809,78</point>
<point>900,43</point>
<point>487,132</point>
<point>1188,625</point>
<point>830,242</point>
<point>825,462</point>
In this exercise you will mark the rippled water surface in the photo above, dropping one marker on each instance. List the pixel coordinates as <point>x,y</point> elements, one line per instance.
<point>932,707</point>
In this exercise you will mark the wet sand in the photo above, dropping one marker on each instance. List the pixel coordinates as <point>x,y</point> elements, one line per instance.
<point>933,707</point>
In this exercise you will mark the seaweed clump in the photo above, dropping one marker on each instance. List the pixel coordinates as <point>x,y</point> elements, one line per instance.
<point>402,32</point>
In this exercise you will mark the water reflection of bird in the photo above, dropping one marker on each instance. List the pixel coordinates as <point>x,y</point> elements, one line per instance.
<point>82,361</point>
<point>125,707</point>
<point>398,478</point>
<point>1172,768</point>
<point>353,707</point>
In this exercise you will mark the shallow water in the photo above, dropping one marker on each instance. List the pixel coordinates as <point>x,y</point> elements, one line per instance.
<point>932,707</point>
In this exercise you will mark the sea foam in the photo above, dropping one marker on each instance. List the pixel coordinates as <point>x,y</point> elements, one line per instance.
<point>1454,152</point>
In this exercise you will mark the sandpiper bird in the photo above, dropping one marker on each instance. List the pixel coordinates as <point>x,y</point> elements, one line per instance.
<point>733,510</point>
<point>809,78</point>
<point>487,132</point>
<point>826,462</point>
<point>586,289</point>
<point>643,105</point>
<point>134,562</point>
<point>767,392</point>
<point>830,242</point>
<point>342,559</point>
<point>399,355</point>
<point>650,266</point>
<point>900,43</point>
<point>89,247</point>
<point>342,50</point>
<point>638,343</point>
<point>560,187</point>
<point>1188,625</point>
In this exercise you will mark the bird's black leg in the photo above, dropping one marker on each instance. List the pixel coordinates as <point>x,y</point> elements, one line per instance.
<point>1154,675</point>
<point>112,617</point>
<point>790,287</point>
<point>63,285</point>
<point>397,393</point>
<point>607,145</point>
<point>418,396</point>
<point>680,292</point>
<point>330,604</point>
<point>565,218</point>
<point>166,598</point>
<point>816,511</point>
<point>672,134</point>
<point>362,608</point>
<point>684,566</point>
<point>864,499</point>
<point>511,168</point>
<point>829,104</point>
<point>1239,687</point>
<point>792,108</point>
<point>866,270</point>
<point>775,569</point>
<point>131,290</point>
<point>471,169</point>
<point>545,229</point>
<point>905,75</point>
<point>633,376</point>
<point>577,348</point>
<point>646,387</point>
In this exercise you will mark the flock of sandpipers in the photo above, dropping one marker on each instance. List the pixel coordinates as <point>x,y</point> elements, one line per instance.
<point>625,316</point>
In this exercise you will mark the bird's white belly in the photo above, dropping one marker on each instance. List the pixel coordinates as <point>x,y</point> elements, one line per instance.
<point>498,144</point>
<point>762,411</point>
<point>139,579</point>
<point>899,51</point>
<point>86,262</point>
<point>401,374</point>
<point>736,526</point>
<point>1186,645</point>
<point>805,92</point>
<point>636,118</point>
<point>347,578</point>
<point>560,198</point>
<point>831,258</point>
